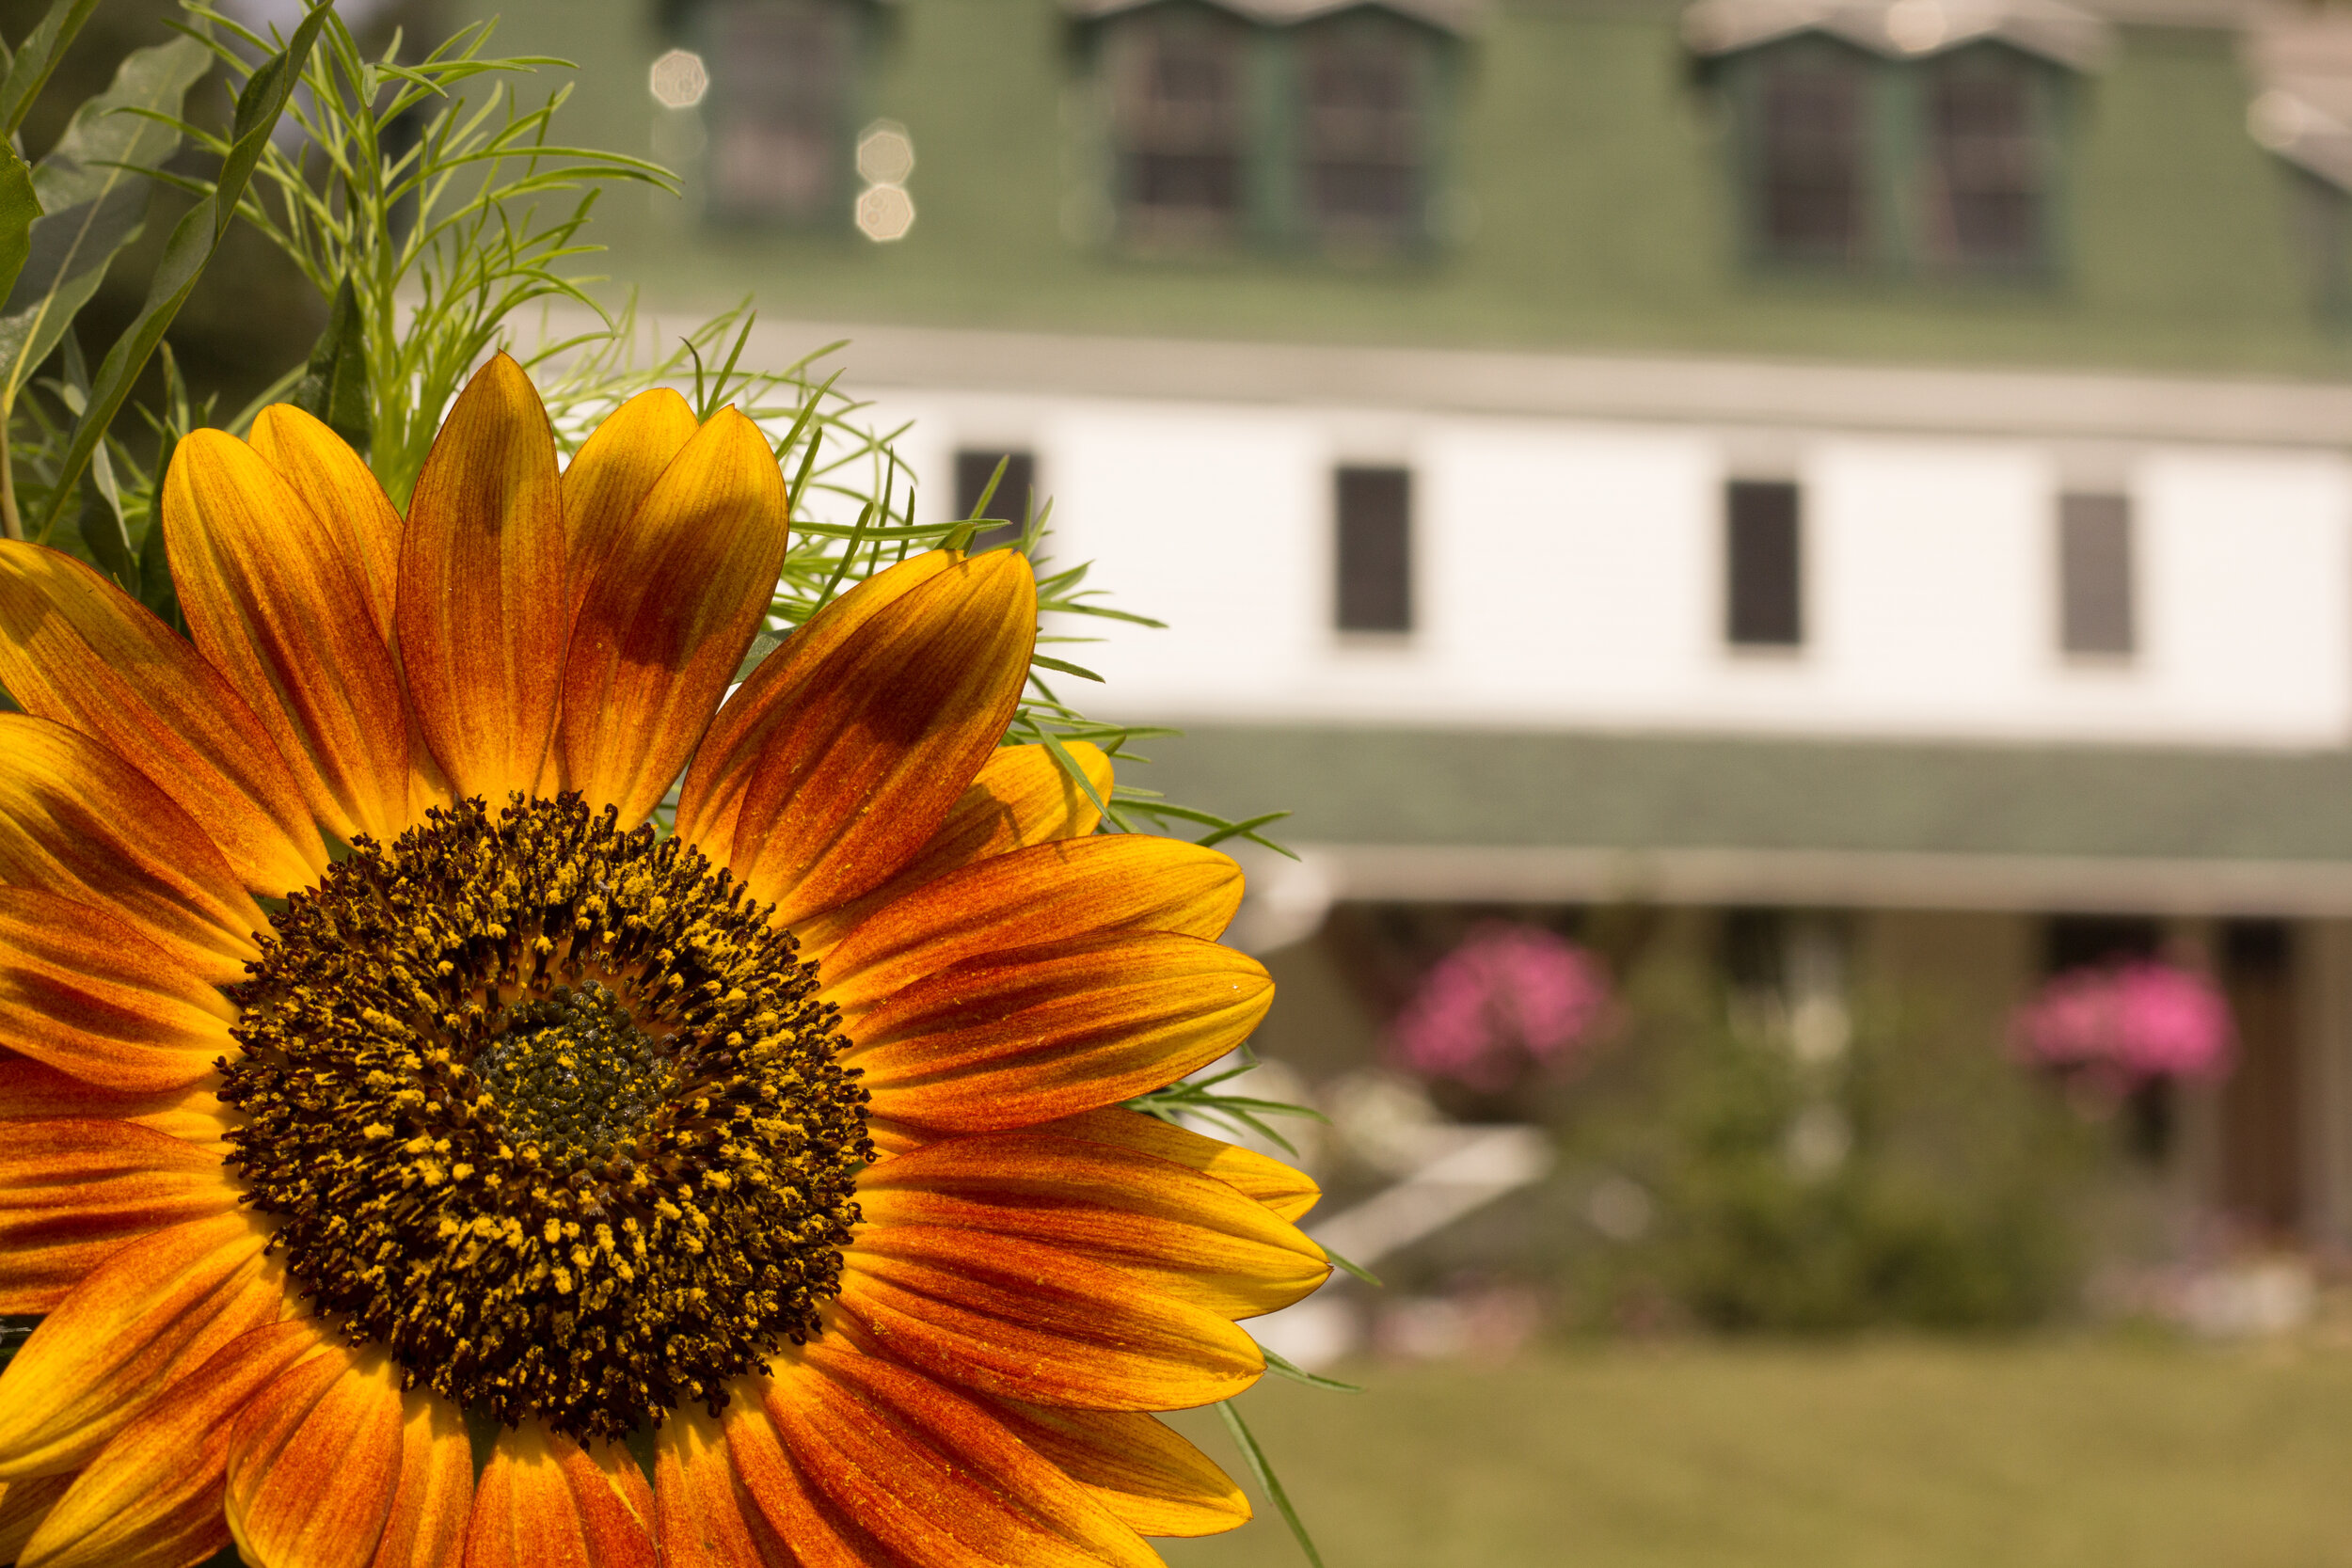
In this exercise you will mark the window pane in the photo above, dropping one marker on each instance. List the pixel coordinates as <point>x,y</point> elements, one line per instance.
<point>1812,157</point>
<point>1009,506</point>
<point>2095,575</point>
<point>1361,132</point>
<point>1376,584</point>
<point>1983,206</point>
<point>1763,597</point>
<point>1178,113</point>
<point>779,98</point>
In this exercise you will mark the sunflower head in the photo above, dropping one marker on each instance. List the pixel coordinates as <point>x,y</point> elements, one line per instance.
<point>379,1074</point>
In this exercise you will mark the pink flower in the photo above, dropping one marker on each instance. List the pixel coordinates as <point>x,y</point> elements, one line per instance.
<point>1510,997</point>
<point>2140,1020</point>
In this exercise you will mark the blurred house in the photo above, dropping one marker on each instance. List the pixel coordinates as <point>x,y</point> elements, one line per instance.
<point>1883,461</point>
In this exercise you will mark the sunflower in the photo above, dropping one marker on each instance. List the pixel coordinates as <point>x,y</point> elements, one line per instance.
<point>416,1158</point>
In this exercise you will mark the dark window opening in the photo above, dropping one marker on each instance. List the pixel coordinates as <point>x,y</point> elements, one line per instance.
<point>1983,206</point>
<point>2085,940</point>
<point>1008,508</point>
<point>1180,121</point>
<point>778,112</point>
<point>2095,612</point>
<point>1764,586</point>
<point>1376,549</point>
<point>2262,1141</point>
<point>1361,132</point>
<point>1812,157</point>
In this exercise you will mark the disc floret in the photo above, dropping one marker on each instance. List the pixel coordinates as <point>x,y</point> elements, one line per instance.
<point>550,1112</point>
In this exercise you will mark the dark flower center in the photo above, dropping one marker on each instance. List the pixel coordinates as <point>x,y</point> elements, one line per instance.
<point>551,1113</point>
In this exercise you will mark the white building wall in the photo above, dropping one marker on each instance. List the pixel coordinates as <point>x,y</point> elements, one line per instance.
<point>1569,573</point>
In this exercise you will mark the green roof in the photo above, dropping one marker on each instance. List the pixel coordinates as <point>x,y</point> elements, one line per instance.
<point>1400,786</point>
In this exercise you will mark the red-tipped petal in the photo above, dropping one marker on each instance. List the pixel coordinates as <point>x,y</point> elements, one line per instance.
<point>665,622</point>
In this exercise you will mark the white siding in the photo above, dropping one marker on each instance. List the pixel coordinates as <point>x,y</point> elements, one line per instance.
<point>1570,573</point>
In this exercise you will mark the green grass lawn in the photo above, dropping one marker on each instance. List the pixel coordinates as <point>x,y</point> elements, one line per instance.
<point>2069,1454</point>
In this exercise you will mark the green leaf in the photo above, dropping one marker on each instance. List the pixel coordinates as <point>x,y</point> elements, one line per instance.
<point>1283,1366</point>
<point>19,206</point>
<point>92,191</point>
<point>335,388</point>
<point>185,254</point>
<point>1255,1458</point>
<point>37,57</point>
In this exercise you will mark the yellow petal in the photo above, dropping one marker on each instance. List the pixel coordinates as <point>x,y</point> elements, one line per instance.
<point>662,626</point>
<point>335,483</point>
<point>1026,1321</point>
<point>483,613</point>
<point>79,823</point>
<point>731,751</point>
<point>885,729</point>
<point>1289,1193</point>
<point>151,1314</point>
<point>611,476</point>
<point>314,1462</point>
<point>544,1502</point>
<point>276,607</point>
<point>1150,1479</point>
<point>73,1194</point>
<point>150,1498</point>
<point>1191,1237</point>
<point>76,649</point>
<point>1045,894</point>
<point>1021,797</point>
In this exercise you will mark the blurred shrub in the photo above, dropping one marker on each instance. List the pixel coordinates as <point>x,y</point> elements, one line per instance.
<point>1916,1178</point>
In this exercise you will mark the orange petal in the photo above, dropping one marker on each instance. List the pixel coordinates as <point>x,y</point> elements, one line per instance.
<point>24,1504</point>
<point>314,1462</point>
<point>142,1321</point>
<point>611,476</point>
<point>1185,1234</point>
<point>78,821</point>
<point>1027,1036</point>
<point>1044,894</point>
<point>544,1502</point>
<point>1151,1481</point>
<point>1026,1322</point>
<point>665,623</point>
<point>739,735</point>
<point>75,648</point>
<point>703,1518</point>
<point>86,994</point>
<point>31,1092</point>
<point>781,1502</point>
<point>1021,797</point>
<point>930,1475</point>
<point>334,482</point>
<point>482,609</point>
<point>150,1498</point>
<point>1289,1193</point>
<point>886,732</point>
<point>277,606</point>
<point>427,1527</point>
<point>75,1192</point>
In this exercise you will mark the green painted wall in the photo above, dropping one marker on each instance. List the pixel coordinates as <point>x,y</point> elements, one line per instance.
<point>1595,170</point>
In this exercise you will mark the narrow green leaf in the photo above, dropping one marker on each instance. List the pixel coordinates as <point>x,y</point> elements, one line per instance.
<point>1356,1269</point>
<point>1067,668</point>
<point>335,388</point>
<point>190,247</point>
<point>764,643</point>
<point>37,57</point>
<point>93,194</point>
<point>1283,1366</point>
<point>19,206</point>
<point>1255,1458</point>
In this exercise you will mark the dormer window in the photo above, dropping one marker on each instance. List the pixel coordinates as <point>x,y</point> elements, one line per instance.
<point>1903,136</point>
<point>1182,123</point>
<point>1270,125</point>
<point>1363,137</point>
<point>781,112</point>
